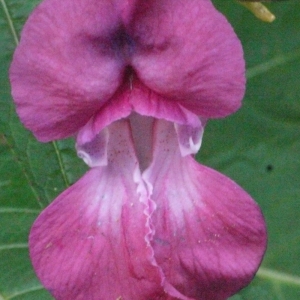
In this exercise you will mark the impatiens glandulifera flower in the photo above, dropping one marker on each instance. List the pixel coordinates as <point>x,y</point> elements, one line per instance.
<point>136,81</point>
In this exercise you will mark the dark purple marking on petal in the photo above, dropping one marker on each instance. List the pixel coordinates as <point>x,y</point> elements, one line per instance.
<point>74,55</point>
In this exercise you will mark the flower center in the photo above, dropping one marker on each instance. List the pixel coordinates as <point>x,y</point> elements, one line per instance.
<point>142,134</point>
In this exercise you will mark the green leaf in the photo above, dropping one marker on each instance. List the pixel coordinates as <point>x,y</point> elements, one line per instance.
<point>258,147</point>
<point>31,174</point>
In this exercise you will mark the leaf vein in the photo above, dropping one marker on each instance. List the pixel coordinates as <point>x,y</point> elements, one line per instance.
<point>8,210</point>
<point>57,152</point>
<point>10,22</point>
<point>14,246</point>
<point>35,193</point>
<point>61,165</point>
<point>272,63</point>
<point>25,291</point>
<point>2,297</point>
<point>278,276</point>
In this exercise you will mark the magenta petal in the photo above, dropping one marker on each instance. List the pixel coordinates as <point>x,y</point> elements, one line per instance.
<point>66,65</point>
<point>92,241</point>
<point>187,50</point>
<point>72,59</point>
<point>143,101</point>
<point>210,235</point>
<point>149,103</point>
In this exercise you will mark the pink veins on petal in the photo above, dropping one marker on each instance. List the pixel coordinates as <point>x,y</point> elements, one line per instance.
<point>136,81</point>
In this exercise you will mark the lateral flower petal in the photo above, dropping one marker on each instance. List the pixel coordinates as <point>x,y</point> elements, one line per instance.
<point>210,236</point>
<point>91,242</point>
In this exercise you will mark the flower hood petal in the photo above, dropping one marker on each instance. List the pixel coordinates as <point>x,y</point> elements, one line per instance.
<point>73,59</point>
<point>143,101</point>
<point>210,236</point>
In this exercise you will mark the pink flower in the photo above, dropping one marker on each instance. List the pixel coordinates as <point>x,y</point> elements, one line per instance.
<point>136,80</point>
